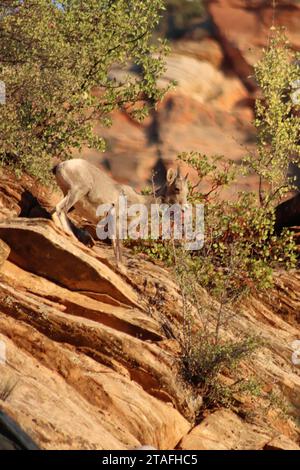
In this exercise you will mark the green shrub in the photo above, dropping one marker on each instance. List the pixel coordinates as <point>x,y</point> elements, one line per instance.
<point>277,121</point>
<point>204,362</point>
<point>241,249</point>
<point>205,354</point>
<point>53,55</point>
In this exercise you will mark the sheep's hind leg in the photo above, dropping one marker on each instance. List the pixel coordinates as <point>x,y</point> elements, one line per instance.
<point>59,219</point>
<point>63,207</point>
<point>66,226</point>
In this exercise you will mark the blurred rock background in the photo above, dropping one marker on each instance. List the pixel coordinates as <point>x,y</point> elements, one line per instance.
<point>214,45</point>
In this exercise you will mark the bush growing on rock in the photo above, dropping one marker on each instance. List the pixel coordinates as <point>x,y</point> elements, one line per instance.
<point>277,120</point>
<point>241,249</point>
<point>54,55</point>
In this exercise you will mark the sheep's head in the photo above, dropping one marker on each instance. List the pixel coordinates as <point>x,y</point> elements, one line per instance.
<point>176,187</point>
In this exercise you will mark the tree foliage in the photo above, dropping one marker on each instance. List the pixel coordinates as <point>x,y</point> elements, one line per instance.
<point>277,120</point>
<point>54,54</point>
<point>241,249</point>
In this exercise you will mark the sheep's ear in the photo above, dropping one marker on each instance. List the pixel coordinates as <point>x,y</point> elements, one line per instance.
<point>171,175</point>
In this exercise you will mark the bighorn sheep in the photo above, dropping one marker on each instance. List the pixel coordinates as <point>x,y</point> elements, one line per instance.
<point>86,187</point>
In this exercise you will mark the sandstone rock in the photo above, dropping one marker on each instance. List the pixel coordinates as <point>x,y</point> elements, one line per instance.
<point>206,50</point>
<point>145,448</point>
<point>8,200</point>
<point>4,252</point>
<point>24,197</point>
<point>199,80</point>
<point>187,125</point>
<point>224,430</point>
<point>131,153</point>
<point>208,111</point>
<point>128,320</point>
<point>281,443</point>
<point>275,360</point>
<point>81,384</point>
<point>286,297</point>
<point>94,355</point>
<point>87,371</point>
<point>37,247</point>
<point>242,43</point>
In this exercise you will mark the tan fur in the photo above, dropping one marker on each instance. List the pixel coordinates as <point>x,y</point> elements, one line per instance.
<point>85,187</point>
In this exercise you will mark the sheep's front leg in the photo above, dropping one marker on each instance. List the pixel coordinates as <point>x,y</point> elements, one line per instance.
<point>115,237</point>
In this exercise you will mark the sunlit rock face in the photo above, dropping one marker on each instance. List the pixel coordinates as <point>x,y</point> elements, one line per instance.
<point>89,357</point>
<point>243,28</point>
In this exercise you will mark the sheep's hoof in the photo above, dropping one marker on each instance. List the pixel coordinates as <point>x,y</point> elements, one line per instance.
<point>84,237</point>
<point>121,268</point>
